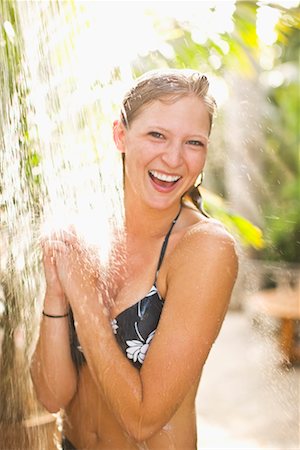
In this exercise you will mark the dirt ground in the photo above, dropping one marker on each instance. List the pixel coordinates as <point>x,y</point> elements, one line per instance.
<point>247,399</point>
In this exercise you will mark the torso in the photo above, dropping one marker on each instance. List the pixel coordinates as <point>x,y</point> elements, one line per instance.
<point>89,423</point>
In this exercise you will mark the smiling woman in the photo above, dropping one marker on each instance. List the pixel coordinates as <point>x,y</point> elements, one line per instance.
<point>165,148</point>
<point>159,127</point>
<point>122,351</point>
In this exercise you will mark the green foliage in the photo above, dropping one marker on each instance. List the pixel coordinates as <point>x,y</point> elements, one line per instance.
<point>247,233</point>
<point>238,51</point>
<point>280,155</point>
<point>243,42</point>
<point>283,227</point>
<point>9,50</point>
<point>14,89</point>
<point>283,145</point>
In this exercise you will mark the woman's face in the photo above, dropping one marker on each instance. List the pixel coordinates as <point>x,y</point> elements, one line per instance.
<point>165,150</point>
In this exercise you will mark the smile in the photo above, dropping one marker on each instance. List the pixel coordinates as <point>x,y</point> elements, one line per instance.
<point>162,182</point>
<point>162,177</point>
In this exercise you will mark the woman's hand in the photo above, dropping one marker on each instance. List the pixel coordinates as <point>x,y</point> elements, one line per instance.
<point>55,299</point>
<point>53,285</point>
<point>53,372</point>
<point>71,267</point>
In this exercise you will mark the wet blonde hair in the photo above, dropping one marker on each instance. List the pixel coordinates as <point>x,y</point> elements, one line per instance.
<point>168,85</point>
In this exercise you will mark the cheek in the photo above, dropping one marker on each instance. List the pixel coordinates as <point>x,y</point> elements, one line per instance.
<point>197,161</point>
<point>136,156</point>
<point>145,153</point>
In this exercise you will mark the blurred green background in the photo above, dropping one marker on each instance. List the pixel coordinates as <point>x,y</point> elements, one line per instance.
<point>63,67</point>
<point>250,50</point>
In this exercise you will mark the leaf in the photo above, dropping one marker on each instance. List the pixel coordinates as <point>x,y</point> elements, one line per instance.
<point>247,233</point>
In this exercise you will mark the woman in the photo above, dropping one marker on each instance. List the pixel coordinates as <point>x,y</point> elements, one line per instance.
<point>133,383</point>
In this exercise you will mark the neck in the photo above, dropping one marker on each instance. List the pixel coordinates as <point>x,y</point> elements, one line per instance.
<point>144,221</point>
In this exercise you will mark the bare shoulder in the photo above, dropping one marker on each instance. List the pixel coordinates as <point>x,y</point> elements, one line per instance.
<point>206,243</point>
<point>207,235</point>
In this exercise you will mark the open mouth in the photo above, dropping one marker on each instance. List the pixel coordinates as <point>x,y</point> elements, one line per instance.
<point>163,180</point>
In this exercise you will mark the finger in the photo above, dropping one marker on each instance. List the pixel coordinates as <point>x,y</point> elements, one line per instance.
<point>53,248</point>
<point>61,234</point>
<point>65,236</point>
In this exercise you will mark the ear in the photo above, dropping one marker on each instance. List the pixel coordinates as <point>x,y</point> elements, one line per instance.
<point>119,132</point>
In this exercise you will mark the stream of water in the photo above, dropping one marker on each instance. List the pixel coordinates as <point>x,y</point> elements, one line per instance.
<point>59,93</point>
<point>56,159</point>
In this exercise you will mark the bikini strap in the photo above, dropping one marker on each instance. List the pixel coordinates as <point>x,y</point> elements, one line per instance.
<point>165,243</point>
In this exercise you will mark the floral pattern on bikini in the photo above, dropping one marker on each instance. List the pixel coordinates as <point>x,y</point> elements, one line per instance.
<point>134,328</point>
<point>137,349</point>
<point>114,325</point>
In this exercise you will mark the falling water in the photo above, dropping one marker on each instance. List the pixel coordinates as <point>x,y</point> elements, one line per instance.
<point>59,87</point>
<point>56,159</point>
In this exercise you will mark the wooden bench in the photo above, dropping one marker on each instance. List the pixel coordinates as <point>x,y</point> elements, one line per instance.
<point>282,303</point>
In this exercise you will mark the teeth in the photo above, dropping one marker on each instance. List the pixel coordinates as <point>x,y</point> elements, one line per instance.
<point>163,177</point>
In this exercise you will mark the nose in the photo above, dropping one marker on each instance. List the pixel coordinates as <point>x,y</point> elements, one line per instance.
<point>173,155</point>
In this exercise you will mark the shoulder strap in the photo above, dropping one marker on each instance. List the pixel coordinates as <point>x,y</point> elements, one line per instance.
<point>165,243</point>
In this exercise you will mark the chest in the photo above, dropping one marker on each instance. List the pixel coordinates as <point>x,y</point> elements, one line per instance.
<point>138,277</point>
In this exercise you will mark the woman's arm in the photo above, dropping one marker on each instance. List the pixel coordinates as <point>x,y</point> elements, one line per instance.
<point>52,369</point>
<point>200,279</point>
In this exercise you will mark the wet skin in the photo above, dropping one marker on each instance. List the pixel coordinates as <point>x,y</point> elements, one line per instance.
<point>95,427</point>
<point>90,422</point>
<point>110,404</point>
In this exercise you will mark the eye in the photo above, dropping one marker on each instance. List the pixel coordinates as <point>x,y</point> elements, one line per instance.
<point>156,134</point>
<point>196,143</point>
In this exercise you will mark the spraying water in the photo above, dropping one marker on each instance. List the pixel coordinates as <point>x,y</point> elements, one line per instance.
<point>52,167</point>
<point>58,89</point>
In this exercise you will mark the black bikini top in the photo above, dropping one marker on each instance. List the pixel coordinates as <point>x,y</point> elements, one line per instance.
<point>134,328</point>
